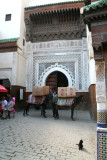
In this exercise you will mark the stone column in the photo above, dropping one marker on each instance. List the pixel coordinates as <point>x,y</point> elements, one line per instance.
<point>29,55</point>
<point>101,111</point>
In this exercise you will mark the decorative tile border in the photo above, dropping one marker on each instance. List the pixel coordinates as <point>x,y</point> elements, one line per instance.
<point>101,145</point>
<point>101,117</point>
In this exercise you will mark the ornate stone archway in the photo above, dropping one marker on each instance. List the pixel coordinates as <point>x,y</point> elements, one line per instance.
<point>60,68</point>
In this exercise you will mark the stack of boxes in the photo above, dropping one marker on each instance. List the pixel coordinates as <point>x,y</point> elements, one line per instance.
<point>66,92</point>
<point>40,90</point>
<point>63,92</point>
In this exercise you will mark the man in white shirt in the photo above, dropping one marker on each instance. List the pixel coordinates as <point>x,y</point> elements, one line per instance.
<point>4,107</point>
<point>10,106</point>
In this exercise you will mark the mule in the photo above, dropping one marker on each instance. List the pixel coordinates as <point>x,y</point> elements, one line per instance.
<point>77,100</point>
<point>42,104</point>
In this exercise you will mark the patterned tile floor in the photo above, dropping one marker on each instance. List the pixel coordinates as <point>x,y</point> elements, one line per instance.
<point>36,138</point>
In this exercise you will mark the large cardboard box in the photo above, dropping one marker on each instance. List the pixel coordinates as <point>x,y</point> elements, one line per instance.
<point>40,90</point>
<point>47,88</point>
<point>71,92</point>
<point>62,92</point>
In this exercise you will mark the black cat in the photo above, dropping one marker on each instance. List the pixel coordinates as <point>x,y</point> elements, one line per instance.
<point>80,145</point>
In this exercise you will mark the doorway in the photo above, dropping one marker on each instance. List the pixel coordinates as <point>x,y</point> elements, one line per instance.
<point>57,79</point>
<point>6,84</point>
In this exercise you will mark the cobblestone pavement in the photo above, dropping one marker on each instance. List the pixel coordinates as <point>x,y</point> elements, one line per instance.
<point>36,138</point>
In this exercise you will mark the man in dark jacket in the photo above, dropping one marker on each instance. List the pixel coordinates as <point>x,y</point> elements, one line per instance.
<point>50,98</point>
<point>44,104</point>
<point>54,102</point>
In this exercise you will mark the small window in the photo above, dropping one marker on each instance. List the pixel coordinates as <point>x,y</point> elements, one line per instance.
<point>8,17</point>
<point>23,42</point>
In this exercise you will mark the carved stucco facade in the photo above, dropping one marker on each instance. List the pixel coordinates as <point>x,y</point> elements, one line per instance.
<point>101,95</point>
<point>67,56</point>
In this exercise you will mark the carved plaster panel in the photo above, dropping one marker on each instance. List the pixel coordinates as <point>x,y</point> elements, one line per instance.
<point>100,82</point>
<point>74,45</point>
<point>85,76</point>
<point>101,99</point>
<point>67,54</point>
<point>57,67</point>
<point>100,89</point>
<point>29,73</point>
<point>69,65</point>
<point>100,71</point>
<point>72,62</point>
<point>101,106</point>
<point>45,62</point>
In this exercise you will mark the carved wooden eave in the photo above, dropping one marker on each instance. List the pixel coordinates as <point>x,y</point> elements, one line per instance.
<point>53,7</point>
<point>95,19</point>
<point>56,16</point>
<point>95,16</point>
<point>56,22</point>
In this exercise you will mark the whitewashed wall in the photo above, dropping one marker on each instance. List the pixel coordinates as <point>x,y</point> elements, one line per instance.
<point>13,67</point>
<point>92,71</point>
<point>6,60</point>
<point>16,27</point>
<point>10,29</point>
<point>13,64</point>
<point>21,71</point>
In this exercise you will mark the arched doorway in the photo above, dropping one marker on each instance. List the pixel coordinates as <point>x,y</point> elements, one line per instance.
<point>57,79</point>
<point>6,84</point>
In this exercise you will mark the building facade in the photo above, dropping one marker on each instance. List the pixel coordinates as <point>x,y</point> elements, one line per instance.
<point>46,45</point>
<point>59,44</point>
<point>56,43</point>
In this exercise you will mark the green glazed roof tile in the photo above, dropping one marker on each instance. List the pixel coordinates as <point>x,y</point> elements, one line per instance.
<point>54,4</point>
<point>8,40</point>
<point>95,5</point>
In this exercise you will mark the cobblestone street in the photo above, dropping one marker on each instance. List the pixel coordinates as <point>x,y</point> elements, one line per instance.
<point>36,138</point>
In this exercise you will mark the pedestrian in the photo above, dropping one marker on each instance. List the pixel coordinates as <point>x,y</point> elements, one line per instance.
<point>50,98</point>
<point>10,106</point>
<point>44,104</point>
<point>27,106</point>
<point>13,99</point>
<point>4,107</point>
<point>7,97</point>
<point>1,110</point>
<point>13,109</point>
<point>54,102</point>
